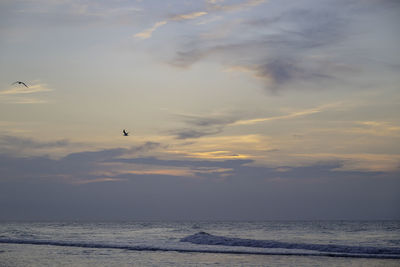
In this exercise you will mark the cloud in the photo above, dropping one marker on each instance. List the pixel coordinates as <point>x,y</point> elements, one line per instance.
<point>292,115</point>
<point>76,168</point>
<point>48,13</point>
<point>377,128</point>
<point>215,6</point>
<point>148,32</point>
<point>119,164</point>
<point>16,145</point>
<point>20,94</point>
<point>212,5</point>
<point>275,73</point>
<point>21,142</point>
<point>107,154</point>
<point>24,100</point>
<point>20,89</point>
<point>209,20</point>
<point>98,180</point>
<point>279,72</point>
<point>196,120</point>
<point>282,71</point>
<point>359,162</point>
<point>222,31</point>
<point>164,172</point>
<point>286,49</point>
<point>189,16</point>
<point>218,155</point>
<point>214,1</point>
<point>189,162</point>
<point>127,183</point>
<point>109,165</point>
<point>201,126</point>
<point>227,189</point>
<point>190,133</point>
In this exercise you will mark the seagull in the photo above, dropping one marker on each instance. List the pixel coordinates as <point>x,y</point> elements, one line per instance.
<point>18,82</point>
<point>125,132</point>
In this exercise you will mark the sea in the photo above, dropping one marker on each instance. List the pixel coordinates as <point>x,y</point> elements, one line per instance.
<point>205,243</point>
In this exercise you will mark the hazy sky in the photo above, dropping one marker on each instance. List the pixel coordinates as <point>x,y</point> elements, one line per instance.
<point>237,109</point>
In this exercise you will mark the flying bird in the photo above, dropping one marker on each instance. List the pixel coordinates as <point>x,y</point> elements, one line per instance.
<point>18,82</point>
<point>125,132</point>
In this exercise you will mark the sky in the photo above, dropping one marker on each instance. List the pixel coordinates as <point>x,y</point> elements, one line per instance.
<point>236,109</point>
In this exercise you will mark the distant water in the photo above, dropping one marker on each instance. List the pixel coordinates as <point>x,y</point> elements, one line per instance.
<point>317,243</point>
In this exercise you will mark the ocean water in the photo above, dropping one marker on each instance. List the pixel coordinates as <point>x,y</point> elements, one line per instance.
<point>305,243</point>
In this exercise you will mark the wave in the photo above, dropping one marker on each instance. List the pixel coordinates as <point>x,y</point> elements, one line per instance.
<point>188,250</point>
<point>203,238</point>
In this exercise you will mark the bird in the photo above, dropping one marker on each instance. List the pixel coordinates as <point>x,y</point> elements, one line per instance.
<point>125,132</point>
<point>18,82</point>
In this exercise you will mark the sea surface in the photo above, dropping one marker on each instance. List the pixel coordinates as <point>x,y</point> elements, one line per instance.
<point>271,243</point>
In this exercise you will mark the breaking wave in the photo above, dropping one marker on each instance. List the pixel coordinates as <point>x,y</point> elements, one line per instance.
<point>227,244</point>
<point>203,238</point>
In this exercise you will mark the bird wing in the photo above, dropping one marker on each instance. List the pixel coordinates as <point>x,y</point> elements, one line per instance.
<point>18,82</point>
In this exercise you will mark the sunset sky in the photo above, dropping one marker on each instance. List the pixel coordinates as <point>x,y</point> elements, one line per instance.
<point>237,109</point>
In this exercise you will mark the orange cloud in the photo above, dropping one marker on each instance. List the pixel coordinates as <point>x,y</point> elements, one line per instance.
<point>149,32</point>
